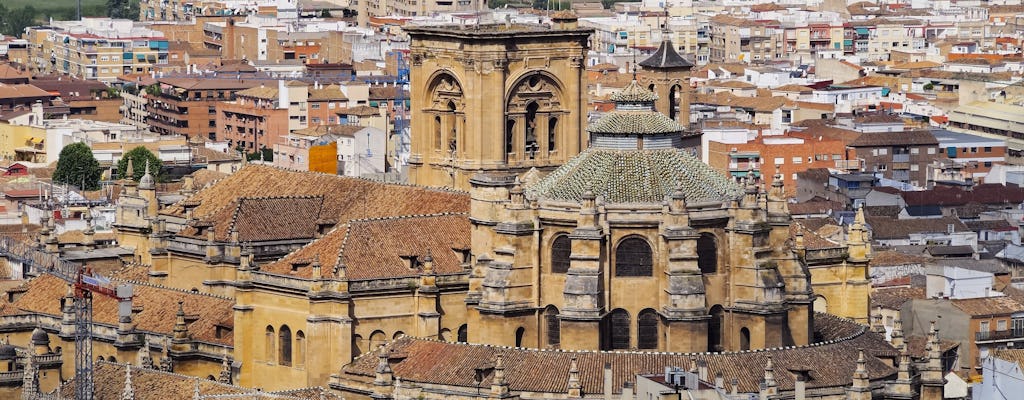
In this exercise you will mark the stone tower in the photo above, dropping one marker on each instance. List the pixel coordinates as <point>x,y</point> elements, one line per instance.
<point>506,97</point>
<point>667,74</point>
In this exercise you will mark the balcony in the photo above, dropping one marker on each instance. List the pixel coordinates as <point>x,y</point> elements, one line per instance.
<point>901,158</point>
<point>992,336</point>
<point>743,166</point>
<point>900,166</point>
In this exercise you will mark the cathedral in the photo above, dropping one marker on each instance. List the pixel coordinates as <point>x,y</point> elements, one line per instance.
<point>523,226</point>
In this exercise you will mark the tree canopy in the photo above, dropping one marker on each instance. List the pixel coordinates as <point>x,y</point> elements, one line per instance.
<point>139,156</point>
<point>77,166</point>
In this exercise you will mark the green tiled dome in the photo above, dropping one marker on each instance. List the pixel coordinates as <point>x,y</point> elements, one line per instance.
<point>635,176</point>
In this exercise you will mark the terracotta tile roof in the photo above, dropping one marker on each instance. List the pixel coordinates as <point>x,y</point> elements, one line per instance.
<point>203,153</point>
<point>875,139</point>
<point>983,306</point>
<point>343,198</point>
<point>159,306</point>
<point>329,92</point>
<point>893,298</point>
<point>731,84</point>
<point>8,72</point>
<point>17,91</point>
<point>831,364</point>
<point>78,237</point>
<point>361,111</point>
<point>257,219</point>
<point>205,177</point>
<point>892,258</point>
<point>891,228</point>
<point>764,104</point>
<point>793,88</point>
<point>812,240</point>
<point>321,130</point>
<point>882,211</point>
<point>210,83</point>
<point>384,248</point>
<point>259,92</point>
<point>917,65</point>
<point>917,345</point>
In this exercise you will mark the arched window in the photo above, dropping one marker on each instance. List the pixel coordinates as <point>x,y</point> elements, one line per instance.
<point>617,330</point>
<point>112,359</point>
<point>552,133</point>
<point>715,328</point>
<point>453,140</point>
<point>553,326</point>
<point>530,150</point>
<point>520,333</point>
<point>463,334</point>
<point>268,344</point>
<point>707,253</point>
<point>633,258</point>
<point>300,349</point>
<point>673,101</point>
<point>647,330</point>
<point>510,131</point>
<point>561,248</point>
<point>744,339</point>
<point>99,358</point>
<point>284,336</point>
<point>397,335</point>
<point>437,132</point>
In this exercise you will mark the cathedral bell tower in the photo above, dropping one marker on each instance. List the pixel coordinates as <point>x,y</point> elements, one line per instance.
<point>495,98</point>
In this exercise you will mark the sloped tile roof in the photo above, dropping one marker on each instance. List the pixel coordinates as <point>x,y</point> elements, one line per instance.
<point>893,298</point>
<point>641,123</point>
<point>383,247</point>
<point>1001,305</point>
<point>875,139</point>
<point>344,198</point>
<point>666,58</point>
<point>159,307</point>
<point>635,176</point>
<point>892,258</point>
<point>831,364</point>
<point>891,228</point>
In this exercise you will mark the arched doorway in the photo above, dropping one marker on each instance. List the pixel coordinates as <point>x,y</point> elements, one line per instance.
<point>647,330</point>
<point>707,253</point>
<point>553,329</point>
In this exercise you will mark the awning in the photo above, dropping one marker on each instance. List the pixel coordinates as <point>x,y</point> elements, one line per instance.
<point>35,140</point>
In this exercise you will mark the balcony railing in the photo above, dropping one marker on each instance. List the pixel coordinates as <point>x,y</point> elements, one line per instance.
<point>849,165</point>
<point>901,158</point>
<point>1008,334</point>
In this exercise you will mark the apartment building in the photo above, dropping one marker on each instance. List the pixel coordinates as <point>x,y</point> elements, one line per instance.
<point>786,155</point>
<point>815,39</point>
<point>262,116</point>
<point>269,38</point>
<point>85,99</point>
<point>95,48</point>
<point>971,157</point>
<point>187,105</point>
<point>743,40</point>
<point>900,156</point>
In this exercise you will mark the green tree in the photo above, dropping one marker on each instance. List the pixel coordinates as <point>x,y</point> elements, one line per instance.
<point>78,167</point>
<point>127,9</point>
<point>17,20</point>
<point>139,156</point>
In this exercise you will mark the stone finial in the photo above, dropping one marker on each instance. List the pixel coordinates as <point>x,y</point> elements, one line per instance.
<point>897,333</point>
<point>876,321</point>
<point>128,393</point>
<point>180,327</point>
<point>317,272</point>
<point>575,387</point>
<point>859,217</point>
<point>129,172</point>
<point>166,363</point>
<point>383,373</point>
<point>516,195</point>
<point>499,388</point>
<point>428,263</point>
<point>195,392</point>
<point>225,370</point>
<point>769,373</point>
<point>144,359</point>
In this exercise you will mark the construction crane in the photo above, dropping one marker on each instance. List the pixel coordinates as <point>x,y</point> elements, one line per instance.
<point>400,135</point>
<point>85,283</point>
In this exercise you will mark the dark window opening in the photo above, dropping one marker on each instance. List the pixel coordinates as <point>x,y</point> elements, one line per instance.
<point>520,333</point>
<point>633,258</point>
<point>707,253</point>
<point>744,339</point>
<point>285,339</point>
<point>554,328</point>
<point>561,249</point>
<point>647,330</point>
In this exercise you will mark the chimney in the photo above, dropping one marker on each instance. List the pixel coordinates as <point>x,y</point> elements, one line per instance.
<point>800,387</point>
<point>607,379</point>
